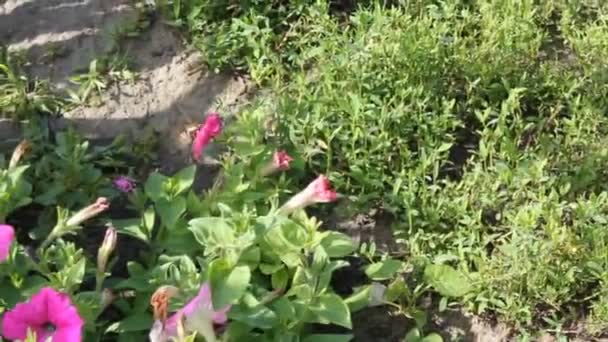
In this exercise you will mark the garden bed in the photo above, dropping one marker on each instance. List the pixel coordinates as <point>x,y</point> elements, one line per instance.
<point>464,142</point>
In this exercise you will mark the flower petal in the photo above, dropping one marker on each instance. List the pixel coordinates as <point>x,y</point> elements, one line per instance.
<point>7,235</point>
<point>68,334</point>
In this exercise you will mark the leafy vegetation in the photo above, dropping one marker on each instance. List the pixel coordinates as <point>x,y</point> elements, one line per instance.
<point>477,127</point>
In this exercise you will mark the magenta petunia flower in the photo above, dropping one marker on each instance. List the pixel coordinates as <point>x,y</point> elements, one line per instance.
<point>48,314</point>
<point>124,184</point>
<point>211,128</point>
<point>318,191</point>
<point>7,235</point>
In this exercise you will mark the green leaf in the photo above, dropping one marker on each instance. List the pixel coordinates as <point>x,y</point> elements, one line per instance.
<point>253,313</point>
<point>135,322</point>
<point>433,337</point>
<point>331,309</point>
<point>227,285</point>
<point>360,299</point>
<point>184,178</point>
<point>412,336</point>
<point>396,289</point>
<point>148,219</point>
<point>212,231</point>
<point>251,257</point>
<point>154,186</point>
<point>279,279</point>
<point>170,211</point>
<point>327,338</point>
<point>132,227</point>
<point>319,259</point>
<point>382,270</point>
<point>338,245</point>
<point>446,280</point>
<point>75,273</point>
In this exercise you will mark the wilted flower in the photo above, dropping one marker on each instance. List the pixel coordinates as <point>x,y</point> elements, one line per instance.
<point>198,315</point>
<point>318,191</point>
<point>205,133</point>
<point>7,235</point>
<point>101,204</point>
<point>103,254</point>
<point>124,184</point>
<point>49,314</point>
<point>21,149</point>
<point>280,162</point>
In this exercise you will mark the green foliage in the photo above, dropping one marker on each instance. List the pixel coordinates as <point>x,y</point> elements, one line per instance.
<point>478,124</point>
<point>20,97</point>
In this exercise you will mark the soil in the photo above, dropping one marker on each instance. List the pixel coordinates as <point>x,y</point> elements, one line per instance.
<point>171,93</point>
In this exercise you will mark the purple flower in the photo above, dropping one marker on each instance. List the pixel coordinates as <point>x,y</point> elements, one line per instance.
<point>124,184</point>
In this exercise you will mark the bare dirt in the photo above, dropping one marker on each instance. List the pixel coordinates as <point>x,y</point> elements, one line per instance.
<point>171,92</point>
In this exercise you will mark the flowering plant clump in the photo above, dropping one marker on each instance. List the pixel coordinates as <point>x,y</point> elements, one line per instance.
<point>225,265</point>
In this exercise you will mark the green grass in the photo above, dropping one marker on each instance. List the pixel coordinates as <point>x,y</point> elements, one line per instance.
<point>479,124</point>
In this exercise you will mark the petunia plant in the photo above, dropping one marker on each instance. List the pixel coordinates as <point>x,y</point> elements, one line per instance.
<point>242,260</point>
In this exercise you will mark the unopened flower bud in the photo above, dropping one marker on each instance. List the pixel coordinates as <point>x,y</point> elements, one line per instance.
<point>101,204</point>
<point>107,247</point>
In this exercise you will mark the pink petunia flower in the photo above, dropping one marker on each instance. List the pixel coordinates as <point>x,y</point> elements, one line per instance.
<point>206,132</point>
<point>7,235</point>
<point>48,314</point>
<point>281,161</point>
<point>318,191</point>
<point>124,184</point>
<point>198,314</point>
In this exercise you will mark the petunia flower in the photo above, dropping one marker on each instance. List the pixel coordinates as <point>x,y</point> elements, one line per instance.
<point>280,162</point>
<point>318,191</point>
<point>198,315</point>
<point>7,235</point>
<point>124,184</point>
<point>49,314</point>
<point>211,128</point>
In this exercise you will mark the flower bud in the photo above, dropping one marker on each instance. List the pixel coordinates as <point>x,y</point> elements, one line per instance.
<point>101,204</point>
<point>107,247</point>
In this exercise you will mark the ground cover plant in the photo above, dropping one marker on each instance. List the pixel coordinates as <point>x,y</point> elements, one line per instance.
<point>476,128</point>
<point>477,125</point>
